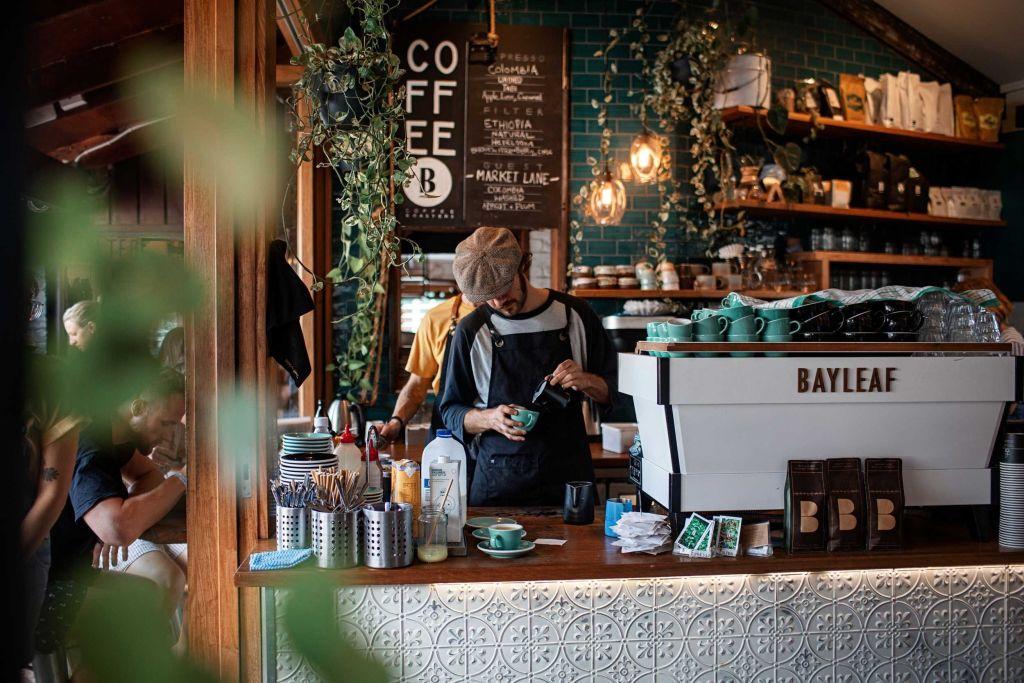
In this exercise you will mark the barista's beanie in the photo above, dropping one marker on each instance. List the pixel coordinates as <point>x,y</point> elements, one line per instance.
<point>486,263</point>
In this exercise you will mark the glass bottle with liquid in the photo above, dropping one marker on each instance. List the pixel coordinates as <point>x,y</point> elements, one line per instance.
<point>433,539</point>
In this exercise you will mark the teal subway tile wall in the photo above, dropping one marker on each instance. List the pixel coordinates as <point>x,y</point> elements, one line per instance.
<point>802,37</point>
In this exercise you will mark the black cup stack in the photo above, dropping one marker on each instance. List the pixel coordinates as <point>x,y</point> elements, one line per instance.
<point>1011,492</point>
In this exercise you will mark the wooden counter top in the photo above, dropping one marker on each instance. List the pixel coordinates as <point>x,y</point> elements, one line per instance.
<point>601,458</point>
<point>589,554</point>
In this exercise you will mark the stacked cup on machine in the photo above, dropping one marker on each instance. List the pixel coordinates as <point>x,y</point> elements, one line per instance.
<point>1011,492</point>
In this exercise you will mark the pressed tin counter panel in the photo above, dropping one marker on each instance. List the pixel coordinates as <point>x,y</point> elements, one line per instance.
<point>957,624</point>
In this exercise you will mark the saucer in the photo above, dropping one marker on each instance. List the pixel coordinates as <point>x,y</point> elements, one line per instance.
<point>524,547</point>
<point>484,536</point>
<point>484,522</point>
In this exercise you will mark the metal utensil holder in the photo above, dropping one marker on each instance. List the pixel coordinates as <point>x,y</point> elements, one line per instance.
<point>337,538</point>
<point>292,528</point>
<point>387,535</point>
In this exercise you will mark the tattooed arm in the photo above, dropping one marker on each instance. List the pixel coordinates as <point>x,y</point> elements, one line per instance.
<point>56,469</point>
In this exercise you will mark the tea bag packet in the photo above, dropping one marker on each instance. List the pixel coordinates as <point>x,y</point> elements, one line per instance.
<point>952,197</point>
<point>727,535</point>
<point>966,118</point>
<point>989,113</point>
<point>705,546</point>
<point>994,204</point>
<point>691,535</point>
<point>851,89</point>
<point>936,202</point>
<point>883,483</point>
<point>846,517</point>
<point>805,505</point>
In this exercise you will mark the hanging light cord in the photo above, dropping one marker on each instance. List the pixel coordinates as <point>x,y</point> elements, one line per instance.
<point>107,143</point>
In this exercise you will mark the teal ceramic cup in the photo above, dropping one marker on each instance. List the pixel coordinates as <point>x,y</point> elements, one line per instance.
<point>678,331</point>
<point>712,325</point>
<point>777,338</point>
<point>770,314</point>
<point>505,536</point>
<point>528,418</point>
<point>746,325</point>
<point>708,338</point>
<point>781,326</point>
<point>652,331</point>
<point>731,300</point>
<point>742,338</point>
<point>735,312</point>
<point>701,314</point>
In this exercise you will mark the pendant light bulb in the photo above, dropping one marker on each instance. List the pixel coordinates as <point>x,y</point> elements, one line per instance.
<point>608,199</point>
<point>645,157</point>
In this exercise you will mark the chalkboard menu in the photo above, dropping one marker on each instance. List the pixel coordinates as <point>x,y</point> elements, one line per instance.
<point>489,139</point>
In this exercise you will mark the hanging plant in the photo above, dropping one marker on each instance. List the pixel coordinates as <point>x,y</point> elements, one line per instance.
<point>353,108</point>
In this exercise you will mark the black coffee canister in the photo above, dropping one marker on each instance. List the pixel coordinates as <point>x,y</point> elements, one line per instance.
<point>579,502</point>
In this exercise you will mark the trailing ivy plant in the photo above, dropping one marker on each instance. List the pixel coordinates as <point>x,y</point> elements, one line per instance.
<point>349,104</point>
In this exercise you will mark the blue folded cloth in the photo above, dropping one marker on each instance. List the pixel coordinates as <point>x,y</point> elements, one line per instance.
<point>278,559</point>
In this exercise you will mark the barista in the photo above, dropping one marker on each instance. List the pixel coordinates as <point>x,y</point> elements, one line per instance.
<point>426,364</point>
<point>518,337</point>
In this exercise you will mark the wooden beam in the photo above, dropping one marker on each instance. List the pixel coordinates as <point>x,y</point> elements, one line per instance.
<point>886,27</point>
<point>110,64</point>
<point>210,345</point>
<point>95,25</point>
<point>254,54</point>
<point>287,75</point>
<point>297,28</point>
<point>105,150</point>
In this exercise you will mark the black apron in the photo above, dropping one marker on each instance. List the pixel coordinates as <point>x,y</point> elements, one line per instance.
<point>531,472</point>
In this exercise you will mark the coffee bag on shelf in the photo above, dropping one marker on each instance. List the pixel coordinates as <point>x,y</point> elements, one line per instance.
<point>845,504</point>
<point>851,88</point>
<point>883,484</point>
<point>989,113</point>
<point>917,194</point>
<point>805,512</point>
<point>899,182</point>
<point>874,187</point>
<point>966,118</point>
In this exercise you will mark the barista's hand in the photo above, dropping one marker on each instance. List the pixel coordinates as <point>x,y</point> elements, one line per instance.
<point>569,375</point>
<point>499,419</point>
<point>391,430</point>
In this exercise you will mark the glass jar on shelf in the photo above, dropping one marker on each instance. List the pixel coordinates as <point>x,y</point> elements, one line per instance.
<point>433,538</point>
<point>848,241</point>
<point>864,240</point>
<point>890,247</point>
<point>816,239</point>
<point>828,239</point>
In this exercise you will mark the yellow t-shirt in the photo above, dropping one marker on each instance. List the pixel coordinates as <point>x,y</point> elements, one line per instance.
<point>427,352</point>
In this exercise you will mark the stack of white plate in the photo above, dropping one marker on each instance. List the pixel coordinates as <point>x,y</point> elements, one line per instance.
<point>1011,493</point>
<point>295,466</point>
<point>306,442</point>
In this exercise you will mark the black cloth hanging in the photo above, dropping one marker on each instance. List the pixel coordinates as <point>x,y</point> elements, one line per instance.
<point>288,299</point>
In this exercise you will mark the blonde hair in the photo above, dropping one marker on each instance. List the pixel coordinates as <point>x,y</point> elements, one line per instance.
<point>82,313</point>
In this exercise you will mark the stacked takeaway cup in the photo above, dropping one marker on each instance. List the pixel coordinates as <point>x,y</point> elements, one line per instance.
<point>1011,492</point>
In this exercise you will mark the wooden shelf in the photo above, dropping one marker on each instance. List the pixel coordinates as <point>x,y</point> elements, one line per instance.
<point>891,259</point>
<point>792,210</point>
<point>800,124</point>
<point>676,294</point>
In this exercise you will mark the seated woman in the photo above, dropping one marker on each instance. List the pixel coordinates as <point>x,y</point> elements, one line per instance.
<point>80,323</point>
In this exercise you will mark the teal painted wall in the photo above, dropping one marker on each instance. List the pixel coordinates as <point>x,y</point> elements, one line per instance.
<point>802,37</point>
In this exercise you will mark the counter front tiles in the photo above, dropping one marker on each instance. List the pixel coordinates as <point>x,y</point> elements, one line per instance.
<point>946,610</point>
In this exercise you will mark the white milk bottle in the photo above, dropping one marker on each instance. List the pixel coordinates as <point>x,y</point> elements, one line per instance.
<point>447,446</point>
